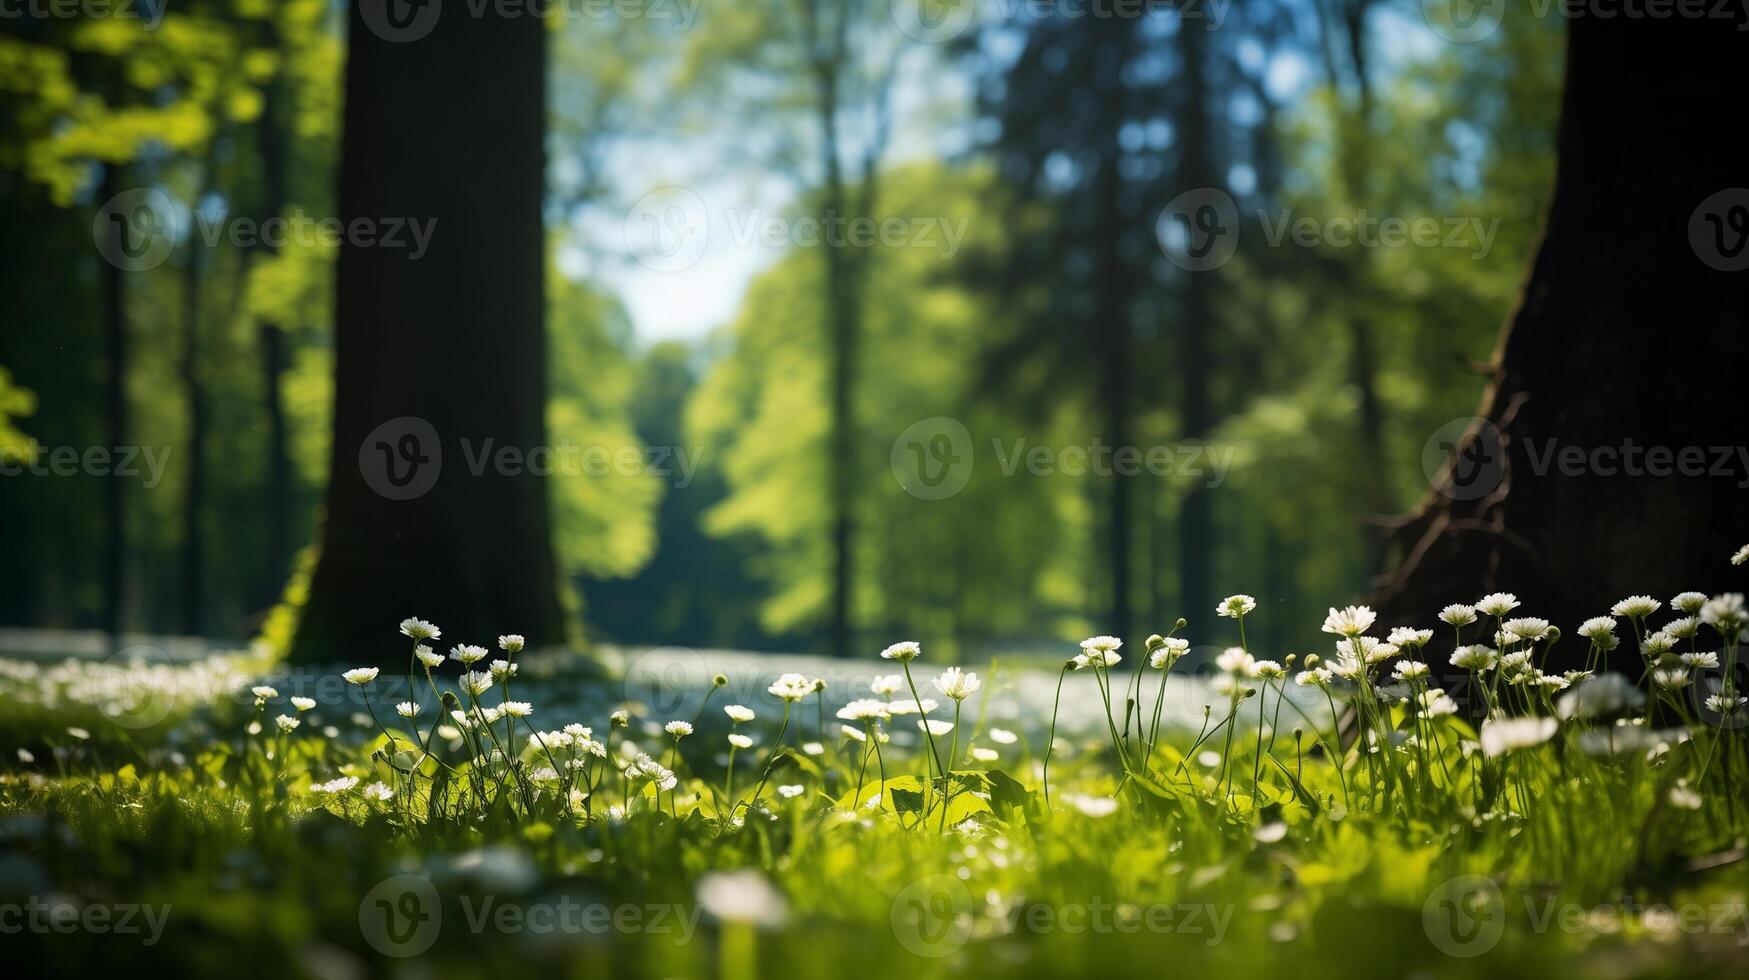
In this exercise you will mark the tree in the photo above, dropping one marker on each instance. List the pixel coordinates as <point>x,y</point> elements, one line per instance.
<point>1630,313</point>
<point>439,360</point>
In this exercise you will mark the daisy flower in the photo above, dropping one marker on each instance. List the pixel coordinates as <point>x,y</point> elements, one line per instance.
<point>1688,602</point>
<point>303,704</point>
<point>1497,604</point>
<point>360,675</point>
<point>511,642</point>
<point>1235,606</point>
<point>1636,607</point>
<point>419,630</point>
<point>517,709</point>
<point>903,651</point>
<point>428,657</point>
<point>1168,653</point>
<point>1457,614</point>
<point>1527,628</point>
<point>886,685</point>
<point>957,684</point>
<point>738,713</point>
<point>678,729</point>
<point>1407,636</point>
<point>467,654</point>
<point>286,723</point>
<point>408,709</point>
<point>475,682</point>
<point>740,741</point>
<point>793,687</point>
<point>1350,622</point>
<point>1474,657</point>
<point>378,791</point>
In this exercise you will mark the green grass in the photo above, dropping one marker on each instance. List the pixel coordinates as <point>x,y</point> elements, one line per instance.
<point>1429,857</point>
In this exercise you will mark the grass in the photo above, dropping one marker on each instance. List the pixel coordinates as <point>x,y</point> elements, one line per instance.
<point>1590,825</point>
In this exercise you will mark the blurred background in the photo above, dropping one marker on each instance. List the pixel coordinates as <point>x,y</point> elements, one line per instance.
<point>987,324</point>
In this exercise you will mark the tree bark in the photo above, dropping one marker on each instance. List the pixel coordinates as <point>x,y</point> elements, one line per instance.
<point>440,359</point>
<point>1195,415</point>
<point>115,417</point>
<point>1625,338</point>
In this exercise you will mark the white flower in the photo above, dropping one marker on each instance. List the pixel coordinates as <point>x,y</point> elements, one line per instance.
<point>360,675</point>
<point>1457,614</point>
<point>340,785</point>
<point>1235,606</point>
<point>1671,678</point>
<point>517,709</point>
<point>501,669</point>
<point>419,629</point>
<point>1002,736</point>
<point>1741,556</point>
<point>1706,661</point>
<point>1636,607</point>
<point>911,707</point>
<point>1235,662</point>
<point>936,727</point>
<point>1503,735</point>
<point>864,709</point>
<point>813,748</point>
<point>1723,612</point>
<point>1350,622</point>
<point>1599,696</point>
<point>511,642</point>
<point>1683,628</point>
<point>428,657</point>
<point>1688,602</point>
<point>886,685</point>
<point>956,684</point>
<point>1527,628</point>
<point>1268,670</point>
<point>408,709</point>
<point>738,713</point>
<point>792,687</point>
<point>1474,657</point>
<point>1408,636</point>
<point>1684,798</point>
<point>1597,626</point>
<point>378,791</point>
<point>903,651</point>
<point>1406,670</point>
<point>1435,703</point>
<point>303,704</point>
<point>475,682</point>
<point>648,768</point>
<point>1099,651</point>
<point>791,791</point>
<point>1725,704</point>
<point>742,896</point>
<point>467,654</point>
<point>286,723</point>
<point>1316,677</point>
<point>1497,604</point>
<point>982,754</point>
<point>740,741</point>
<point>1657,644</point>
<point>678,729</point>
<point>1093,806</point>
<point>1168,653</point>
<point>263,693</point>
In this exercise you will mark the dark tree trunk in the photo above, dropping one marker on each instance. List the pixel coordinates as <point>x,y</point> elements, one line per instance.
<point>1196,169</point>
<point>115,418</point>
<point>271,147</point>
<point>194,392</point>
<point>1112,324</point>
<point>1626,332</point>
<point>440,360</point>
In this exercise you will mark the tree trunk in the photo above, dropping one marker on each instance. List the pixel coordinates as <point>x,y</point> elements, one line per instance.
<point>194,487</point>
<point>440,384</point>
<point>1196,169</point>
<point>1626,338</point>
<point>115,416</point>
<point>276,112</point>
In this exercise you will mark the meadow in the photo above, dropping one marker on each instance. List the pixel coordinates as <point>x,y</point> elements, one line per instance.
<point>1407,802</point>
